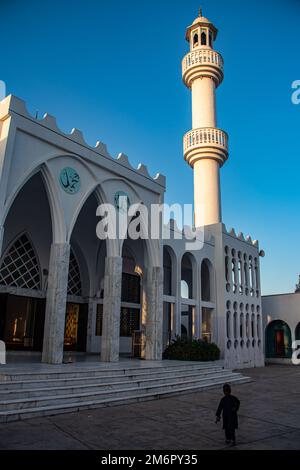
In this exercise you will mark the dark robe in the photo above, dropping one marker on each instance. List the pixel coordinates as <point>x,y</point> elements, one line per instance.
<point>229,406</point>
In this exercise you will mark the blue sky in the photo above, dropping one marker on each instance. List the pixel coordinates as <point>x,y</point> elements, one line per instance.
<point>113,69</point>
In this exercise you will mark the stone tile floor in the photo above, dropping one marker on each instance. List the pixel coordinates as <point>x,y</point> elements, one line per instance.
<point>269,419</point>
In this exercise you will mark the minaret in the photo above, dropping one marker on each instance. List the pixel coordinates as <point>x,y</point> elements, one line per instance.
<point>205,146</point>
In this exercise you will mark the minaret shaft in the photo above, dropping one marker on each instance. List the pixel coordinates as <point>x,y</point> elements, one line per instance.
<point>203,103</point>
<point>207,198</point>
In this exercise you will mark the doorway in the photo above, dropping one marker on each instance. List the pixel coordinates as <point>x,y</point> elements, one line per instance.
<point>75,327</point>
<point>22,322</point>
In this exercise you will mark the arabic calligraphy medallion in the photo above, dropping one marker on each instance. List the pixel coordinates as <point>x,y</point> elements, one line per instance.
<point>69,180</point>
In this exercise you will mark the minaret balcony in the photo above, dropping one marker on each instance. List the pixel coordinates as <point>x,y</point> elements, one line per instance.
<point>205,142</point>
<point>202,63</point>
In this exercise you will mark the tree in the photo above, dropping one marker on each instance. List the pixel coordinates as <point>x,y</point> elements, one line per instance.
<point>297,290</point>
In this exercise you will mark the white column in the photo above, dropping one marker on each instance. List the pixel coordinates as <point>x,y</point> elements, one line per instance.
<point>53,345</point>
<point>110,340</point>
<point>92,312</point>
<point>154,313</point>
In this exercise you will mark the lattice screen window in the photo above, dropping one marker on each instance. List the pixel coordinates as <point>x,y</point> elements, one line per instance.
<point>20,267</point>
<point>74,281</point>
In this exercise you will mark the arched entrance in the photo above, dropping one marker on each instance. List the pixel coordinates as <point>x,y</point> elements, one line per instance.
<point>24,267</point>
<point>278,340</point>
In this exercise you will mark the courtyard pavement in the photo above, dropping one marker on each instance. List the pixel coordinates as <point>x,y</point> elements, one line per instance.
<point>269,419</point>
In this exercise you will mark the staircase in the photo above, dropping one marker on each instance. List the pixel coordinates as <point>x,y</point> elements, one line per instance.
<point>50,392</point>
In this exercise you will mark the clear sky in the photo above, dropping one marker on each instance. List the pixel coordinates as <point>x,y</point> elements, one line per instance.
<point>113,70</point>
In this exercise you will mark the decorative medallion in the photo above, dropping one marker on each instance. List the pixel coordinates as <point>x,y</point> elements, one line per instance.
<point>69,180</point>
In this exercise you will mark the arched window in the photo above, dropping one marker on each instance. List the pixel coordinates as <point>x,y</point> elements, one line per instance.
<point>235,325</point>
<point>187,274</point>
<point>246,280</point>
<point>241,325</point>
<point>233,274</point>
<point>226,268</point>
<point>240,279</point>
<point>167,263</point>
<point>203,39</point>
<point>74,280</point>
<point>210,39</point>
<point>250,267</point>
<point>20,267</point>
<point>252,325</point>
<point>205,281</point>
<point>195,40</point>
<point>228,327</point>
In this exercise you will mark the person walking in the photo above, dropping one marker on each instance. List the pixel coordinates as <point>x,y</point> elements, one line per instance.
<point>228,407</point>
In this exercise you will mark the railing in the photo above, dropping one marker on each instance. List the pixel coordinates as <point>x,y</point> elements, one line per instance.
<point>205,136</point>
<point>202,56</point>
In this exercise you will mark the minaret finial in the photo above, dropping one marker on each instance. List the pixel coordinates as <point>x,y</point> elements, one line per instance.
<point>200,12</point>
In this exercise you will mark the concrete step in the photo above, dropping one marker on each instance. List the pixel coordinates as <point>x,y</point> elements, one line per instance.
<point>25,385</point>
<point>74,371</point>
<point>113,392</point>
<point>56,388</point>
<point>53,409</point>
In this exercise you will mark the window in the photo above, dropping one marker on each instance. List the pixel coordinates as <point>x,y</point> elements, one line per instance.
<point>184,290</point>
<point>20,266</point>
<point>195,40</point>
<point>167,262</point>
<point>235,325</point>
<point>129,321</point>
<point>203,39</point>
<point>228,327</point>
<point>74,280</point>
<point>130,288</point>
<point>205,281</point>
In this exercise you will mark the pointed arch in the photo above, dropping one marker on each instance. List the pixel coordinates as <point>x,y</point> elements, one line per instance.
<point>57,218</point>
<point>206,280</point>
<point>20,265</point>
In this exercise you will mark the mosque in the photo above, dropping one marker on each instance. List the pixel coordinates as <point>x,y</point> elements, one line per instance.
<point>63,289</point>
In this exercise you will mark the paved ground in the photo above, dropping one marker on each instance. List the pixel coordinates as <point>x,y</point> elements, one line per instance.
<point>269,419</point>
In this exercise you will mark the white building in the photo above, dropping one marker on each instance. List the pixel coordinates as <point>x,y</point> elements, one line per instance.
<point>281,322</point>
<point>62,288</point>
